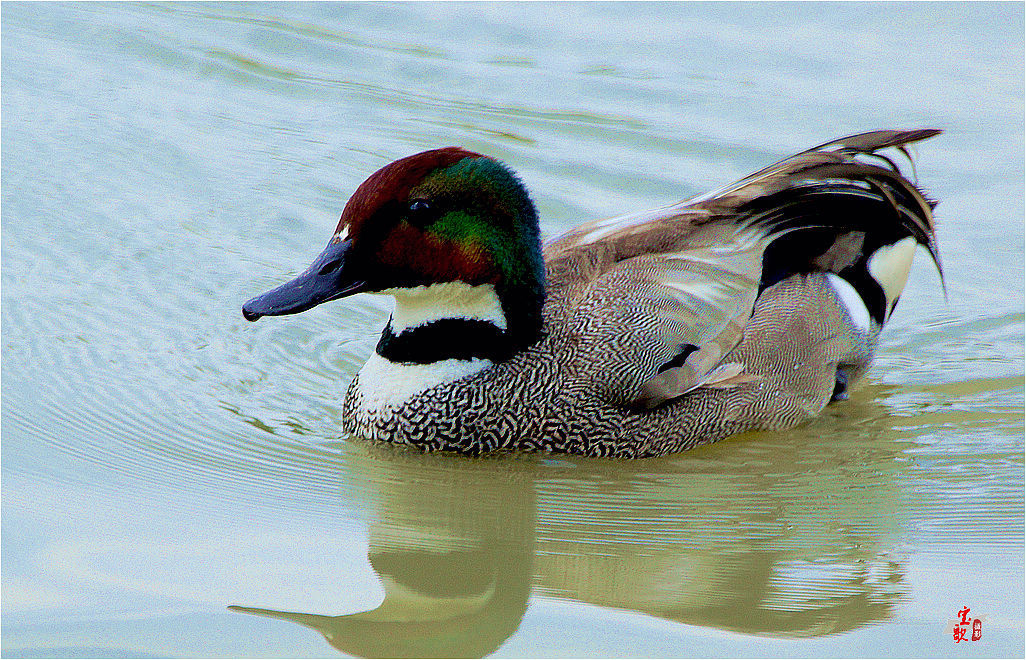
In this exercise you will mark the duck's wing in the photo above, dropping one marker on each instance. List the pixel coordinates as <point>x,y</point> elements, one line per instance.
<point>675,287</point>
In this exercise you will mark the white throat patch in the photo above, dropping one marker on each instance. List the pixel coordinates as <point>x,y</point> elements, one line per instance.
<point>449,300</point>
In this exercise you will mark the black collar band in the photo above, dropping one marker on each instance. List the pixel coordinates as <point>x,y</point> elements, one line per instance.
<point>446,339</point>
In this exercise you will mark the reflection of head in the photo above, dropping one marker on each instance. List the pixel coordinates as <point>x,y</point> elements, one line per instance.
<point>452,544</point>
<point>460,603</point>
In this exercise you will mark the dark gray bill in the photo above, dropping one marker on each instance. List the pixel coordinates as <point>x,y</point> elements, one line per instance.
<point>324,280</point>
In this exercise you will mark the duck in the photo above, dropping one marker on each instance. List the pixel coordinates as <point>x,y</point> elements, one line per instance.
<point>750,308</point>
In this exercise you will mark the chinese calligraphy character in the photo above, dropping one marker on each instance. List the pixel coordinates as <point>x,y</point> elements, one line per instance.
<point>962,627</point>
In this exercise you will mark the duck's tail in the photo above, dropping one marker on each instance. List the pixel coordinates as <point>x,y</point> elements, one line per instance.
<point>843,207</point>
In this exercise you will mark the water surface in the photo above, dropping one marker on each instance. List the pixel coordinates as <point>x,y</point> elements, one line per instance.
<point>164,460</point>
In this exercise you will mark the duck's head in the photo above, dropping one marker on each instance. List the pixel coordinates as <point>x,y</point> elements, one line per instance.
<point>442,216</point>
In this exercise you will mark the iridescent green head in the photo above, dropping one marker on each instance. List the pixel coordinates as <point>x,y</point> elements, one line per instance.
<point>446,215</point>
<point>442,216</point>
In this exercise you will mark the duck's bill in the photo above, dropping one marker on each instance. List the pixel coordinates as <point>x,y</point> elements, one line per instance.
<point>324,280</point>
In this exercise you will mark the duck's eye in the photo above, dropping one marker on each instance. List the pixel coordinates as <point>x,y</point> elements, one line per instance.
<point>421,212</point>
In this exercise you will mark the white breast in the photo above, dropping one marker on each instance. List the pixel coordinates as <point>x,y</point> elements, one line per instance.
<point>385,384</point>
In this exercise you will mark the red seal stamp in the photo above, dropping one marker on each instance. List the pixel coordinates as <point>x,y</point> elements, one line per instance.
<point>962,627</point>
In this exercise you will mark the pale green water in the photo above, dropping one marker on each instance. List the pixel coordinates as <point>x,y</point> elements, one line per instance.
<point>163,459</point>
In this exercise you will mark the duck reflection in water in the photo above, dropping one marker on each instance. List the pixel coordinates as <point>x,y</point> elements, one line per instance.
<point>453,550</point>
<point>784,535</point>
